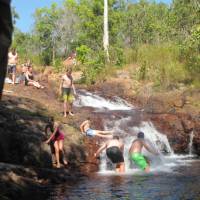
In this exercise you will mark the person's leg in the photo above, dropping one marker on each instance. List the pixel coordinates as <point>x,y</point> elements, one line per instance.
<point>53,156</point>
<point>13,74</point>
<point>97,133</point>
<point>61,148</point>
<point>147,169</point>
<point>122,167</point>
<point>57,151</point>
<point>104,132</point>
<point>65,107</point>
<point>5,40</point>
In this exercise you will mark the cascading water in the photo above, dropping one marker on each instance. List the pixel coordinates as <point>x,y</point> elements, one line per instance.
<point>120,120</point>
<point>190,145</point>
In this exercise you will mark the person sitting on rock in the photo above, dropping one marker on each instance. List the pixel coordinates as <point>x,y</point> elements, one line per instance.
<point>135,152</point>
<point>29,79</point>
<point>57,137</point>
<point>114,151</point>
<point>86,130</point>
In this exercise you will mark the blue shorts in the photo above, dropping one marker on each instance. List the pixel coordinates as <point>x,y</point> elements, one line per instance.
<point>90,132</point>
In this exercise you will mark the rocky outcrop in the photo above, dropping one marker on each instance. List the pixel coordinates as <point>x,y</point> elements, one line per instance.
<point>25,160</point>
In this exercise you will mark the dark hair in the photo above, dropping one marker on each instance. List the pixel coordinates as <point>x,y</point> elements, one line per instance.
<point>51,119</point>
<point>69,70</point>
<point>140,135</point>
<point>88,118</point>
<point>116,137</point>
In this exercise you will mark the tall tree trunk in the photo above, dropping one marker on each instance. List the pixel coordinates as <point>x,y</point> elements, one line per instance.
<point>106,36</point>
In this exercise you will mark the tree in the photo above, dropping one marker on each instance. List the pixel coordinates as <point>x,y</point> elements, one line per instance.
<point>106,34</point>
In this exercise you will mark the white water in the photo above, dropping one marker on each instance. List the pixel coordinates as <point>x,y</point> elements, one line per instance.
<point>166,161</point>
<point>190,145</point>
<point>95,101</point>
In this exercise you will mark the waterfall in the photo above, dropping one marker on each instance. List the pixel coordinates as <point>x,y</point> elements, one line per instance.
<point>190,145</point>
<point>121,119</point>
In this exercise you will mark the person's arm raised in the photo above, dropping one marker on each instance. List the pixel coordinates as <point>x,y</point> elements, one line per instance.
<point>149,148</point>
<point>53,134</point>
<point>82,127</point>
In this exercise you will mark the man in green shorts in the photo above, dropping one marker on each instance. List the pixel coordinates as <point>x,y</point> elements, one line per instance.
<point>136,155</point>
<point>66,88</point>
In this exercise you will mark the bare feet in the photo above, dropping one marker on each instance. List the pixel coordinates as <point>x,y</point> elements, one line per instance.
<point>58,165</point>
<point>65,162</point>
<point>71,113</point>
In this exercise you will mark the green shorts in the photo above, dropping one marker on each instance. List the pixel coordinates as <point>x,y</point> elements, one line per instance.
<point>139,160</point>
<point>67,96</point>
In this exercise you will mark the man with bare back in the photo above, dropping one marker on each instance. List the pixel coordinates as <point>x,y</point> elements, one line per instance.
<point>135,152</point>
<point>66,87</point>
<point>114,151</point>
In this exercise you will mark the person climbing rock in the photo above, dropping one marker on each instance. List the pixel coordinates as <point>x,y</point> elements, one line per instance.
<point>85,128</point>
<point>114,151</point>
<point>135,152</point>
<point>49,129</point>
<point>57,137</point>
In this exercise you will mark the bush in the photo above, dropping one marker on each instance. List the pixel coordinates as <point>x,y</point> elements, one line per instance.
<point>160,65</point>
<point>190,54</point>
<point>58,66</point>
<point>82,53</point>
<point>116,56</point>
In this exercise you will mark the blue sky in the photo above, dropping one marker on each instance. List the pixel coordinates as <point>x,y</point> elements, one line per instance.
<point>26,8</point>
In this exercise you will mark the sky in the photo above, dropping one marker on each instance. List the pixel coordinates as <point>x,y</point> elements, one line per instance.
<point>26,8</point>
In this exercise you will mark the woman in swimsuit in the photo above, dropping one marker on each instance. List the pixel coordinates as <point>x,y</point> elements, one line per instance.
<point>57,137</point>
<point>29,78</point>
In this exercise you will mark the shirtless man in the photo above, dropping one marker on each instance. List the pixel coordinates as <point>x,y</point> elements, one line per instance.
<point>12,62</point>
<point>114,151</point>
<point>136,155</point>
<point>86,130</point>
<point>65,89</point>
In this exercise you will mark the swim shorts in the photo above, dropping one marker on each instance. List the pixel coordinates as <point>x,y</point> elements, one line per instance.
<point>90,132</point>
<point>139,160</point>
<point>67,96</point>
<point>115,154</point>
<point>11,69</point>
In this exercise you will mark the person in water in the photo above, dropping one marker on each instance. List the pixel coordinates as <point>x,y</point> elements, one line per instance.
<point>49,129</point>
<point>114,151</point>
<point>135,152</point>
<point>86,130</point>
<point>57,137</point>
<point>66,87</point>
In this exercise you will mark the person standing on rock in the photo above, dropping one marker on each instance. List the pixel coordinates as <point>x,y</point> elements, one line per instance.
<point>57,137</point>
<point>66,88</point>
<point>135,152</point>
<point>12,63</point>
<point>86,130</point>
<point>114,151</point>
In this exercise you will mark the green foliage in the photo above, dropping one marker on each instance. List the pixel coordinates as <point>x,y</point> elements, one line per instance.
<point>82,53</point>
<point>143,31</point>
<point>94,68</point>
<point>160,65</point>
<point>58,66</point>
